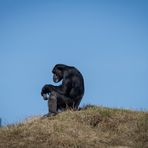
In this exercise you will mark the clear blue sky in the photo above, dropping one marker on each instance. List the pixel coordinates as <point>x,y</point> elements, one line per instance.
<point>107,40</point>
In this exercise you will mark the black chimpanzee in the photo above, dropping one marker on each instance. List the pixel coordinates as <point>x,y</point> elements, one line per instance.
<point>68,94</point>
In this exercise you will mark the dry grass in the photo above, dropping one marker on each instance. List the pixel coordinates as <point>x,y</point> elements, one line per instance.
<point>90,127</point>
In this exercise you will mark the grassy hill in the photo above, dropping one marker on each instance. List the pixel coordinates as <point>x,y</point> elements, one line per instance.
<point>91,127</point>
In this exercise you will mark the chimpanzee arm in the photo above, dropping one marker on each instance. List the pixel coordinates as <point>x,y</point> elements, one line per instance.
<point>63,89</point>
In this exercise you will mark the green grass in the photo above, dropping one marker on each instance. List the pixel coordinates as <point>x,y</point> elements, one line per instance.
<point>90,127</point>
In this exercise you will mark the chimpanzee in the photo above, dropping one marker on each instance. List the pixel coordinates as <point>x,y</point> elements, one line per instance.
<point>68,94</point>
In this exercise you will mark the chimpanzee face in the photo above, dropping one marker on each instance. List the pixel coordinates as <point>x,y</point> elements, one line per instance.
<point>57,75</point>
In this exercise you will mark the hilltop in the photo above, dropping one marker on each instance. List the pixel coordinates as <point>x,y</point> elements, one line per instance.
<point>90,127</point>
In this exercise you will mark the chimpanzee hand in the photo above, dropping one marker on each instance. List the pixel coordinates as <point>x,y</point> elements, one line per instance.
<point>47,89</point>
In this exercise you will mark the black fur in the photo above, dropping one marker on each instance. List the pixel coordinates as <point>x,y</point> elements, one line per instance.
<point>69,93</point>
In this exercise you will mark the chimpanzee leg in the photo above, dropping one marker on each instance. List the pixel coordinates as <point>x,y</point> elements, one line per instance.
<point>52,103</point>
<point>64,102</point>
<point>57,101</point>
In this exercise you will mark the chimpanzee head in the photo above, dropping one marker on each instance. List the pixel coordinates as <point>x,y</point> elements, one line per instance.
<point>58,72</point>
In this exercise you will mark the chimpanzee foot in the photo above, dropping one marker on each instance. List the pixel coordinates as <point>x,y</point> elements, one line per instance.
<point>50,114</point>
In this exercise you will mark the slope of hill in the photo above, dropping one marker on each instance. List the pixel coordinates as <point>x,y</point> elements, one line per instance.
<point>90,127</point>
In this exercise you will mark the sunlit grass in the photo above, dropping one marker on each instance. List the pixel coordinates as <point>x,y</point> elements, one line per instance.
<point>92,126</point>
